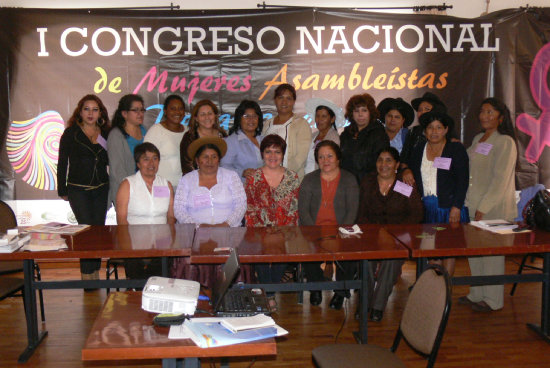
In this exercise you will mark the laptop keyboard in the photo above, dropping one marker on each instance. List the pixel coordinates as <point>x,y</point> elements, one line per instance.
<point>235,301</point>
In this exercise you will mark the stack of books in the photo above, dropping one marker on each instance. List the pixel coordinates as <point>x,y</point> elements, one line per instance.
<point>45,241</point>
<point>212,332</point>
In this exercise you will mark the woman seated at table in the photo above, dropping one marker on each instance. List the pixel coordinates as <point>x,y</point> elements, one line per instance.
<point>209,196</point>
<point>328,196</point>
<point>145,198</point>
<point>385,199</point>
<point>441,173</point>
<point>204,124</point>
<point>272,199</point>
<point>243,144</point>
<point>325,120</point>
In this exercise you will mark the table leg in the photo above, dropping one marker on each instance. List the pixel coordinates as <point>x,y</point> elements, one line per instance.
<point>361,336</point>
<point>33,336</point>
<point>421,266</point>
<point>165,270</point>
<point>544,328</point>
<point>191,363</point>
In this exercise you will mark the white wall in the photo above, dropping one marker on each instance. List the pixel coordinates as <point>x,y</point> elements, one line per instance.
<point>461,8</point>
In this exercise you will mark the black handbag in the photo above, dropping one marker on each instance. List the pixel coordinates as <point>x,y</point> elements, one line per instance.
<point>536,212</point>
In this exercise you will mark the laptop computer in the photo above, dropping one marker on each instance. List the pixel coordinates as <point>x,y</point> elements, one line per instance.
<point>234,302</point>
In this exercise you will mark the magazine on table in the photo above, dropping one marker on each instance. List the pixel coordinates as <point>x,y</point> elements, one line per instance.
<point>57,228</point>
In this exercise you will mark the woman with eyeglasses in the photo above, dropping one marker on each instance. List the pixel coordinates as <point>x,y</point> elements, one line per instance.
<point>128,132</point>
<point>243,144</point>
<point>204,124</point>
<point>82,169</point>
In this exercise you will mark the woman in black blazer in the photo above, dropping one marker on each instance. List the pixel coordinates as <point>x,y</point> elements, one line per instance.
<point>441,172</point>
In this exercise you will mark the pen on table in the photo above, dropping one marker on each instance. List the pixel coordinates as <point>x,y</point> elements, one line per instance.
<point>203,297</point>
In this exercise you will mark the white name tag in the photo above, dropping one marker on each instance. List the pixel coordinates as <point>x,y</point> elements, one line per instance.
<point>403,188</point>
<point>442,163</point>
<point>484,148</point>
<point>201,200</point>
<point>161,192</point>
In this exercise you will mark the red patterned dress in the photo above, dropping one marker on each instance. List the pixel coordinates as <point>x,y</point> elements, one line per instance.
<point>268,206</point>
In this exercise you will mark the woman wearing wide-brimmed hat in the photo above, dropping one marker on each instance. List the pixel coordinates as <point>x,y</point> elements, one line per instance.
<point>208,196</point>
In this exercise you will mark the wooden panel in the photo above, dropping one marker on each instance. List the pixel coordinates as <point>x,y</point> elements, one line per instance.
<point>125,241</point>
<point>440,240</point>
<point>295,244</point>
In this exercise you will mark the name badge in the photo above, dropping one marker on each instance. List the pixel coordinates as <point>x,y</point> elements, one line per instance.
<point>102,141</point>
<point>201,200</point>
<point>442,163</point>
<point>484,148</point>
<point>161,192</point>
<point>402,188</point>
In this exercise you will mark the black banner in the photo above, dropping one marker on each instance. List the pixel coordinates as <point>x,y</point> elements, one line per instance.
<point>52,58</point>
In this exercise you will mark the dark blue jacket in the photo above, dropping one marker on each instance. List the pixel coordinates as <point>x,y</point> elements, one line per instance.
<point>452,184</point>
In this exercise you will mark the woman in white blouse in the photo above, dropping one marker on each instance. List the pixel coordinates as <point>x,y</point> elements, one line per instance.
<point>208,196</point>
<point>326,114</point>
<point>145,198</point>
<point>167,136</point>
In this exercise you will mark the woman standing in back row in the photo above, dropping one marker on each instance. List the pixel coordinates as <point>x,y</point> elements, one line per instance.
<point>363,138</point>
<point>167,136</point>
<point>128,132</point>
<point>82,169</point>
<point>491,194</point>
<point>204,124</point>
<point>293,129</point>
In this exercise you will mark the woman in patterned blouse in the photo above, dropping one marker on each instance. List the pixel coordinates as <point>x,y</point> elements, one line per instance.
<point>272,198</point>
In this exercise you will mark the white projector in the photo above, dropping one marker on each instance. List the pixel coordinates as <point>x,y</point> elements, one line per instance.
<point>164,295</point>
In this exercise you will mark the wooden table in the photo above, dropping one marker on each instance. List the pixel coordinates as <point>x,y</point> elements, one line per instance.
<point>302,244</point>
<point>445,240</point>
<point>126,241</point>
<point>124,331</point>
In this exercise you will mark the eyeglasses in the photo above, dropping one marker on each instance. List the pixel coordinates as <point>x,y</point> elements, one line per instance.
<point>250,116</point>
<point>137,110</point>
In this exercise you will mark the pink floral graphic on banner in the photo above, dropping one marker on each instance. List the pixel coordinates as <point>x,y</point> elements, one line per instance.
<point>33,149</point>
<point>538,129</point>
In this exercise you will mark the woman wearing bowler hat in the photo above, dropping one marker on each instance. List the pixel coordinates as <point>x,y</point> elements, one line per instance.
<point>397,115</point>
<point>421,105</point>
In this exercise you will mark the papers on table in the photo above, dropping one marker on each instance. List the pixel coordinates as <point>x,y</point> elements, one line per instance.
<point>57,228</point>
<point>210,332</point>
<point>497,226</point>
<point>9,243</point>
<point>236,324</point>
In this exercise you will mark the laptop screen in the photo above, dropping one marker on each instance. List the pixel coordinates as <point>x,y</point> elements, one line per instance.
<point>230,270</point>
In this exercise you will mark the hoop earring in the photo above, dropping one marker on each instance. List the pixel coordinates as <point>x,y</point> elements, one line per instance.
<point>100,122</point>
